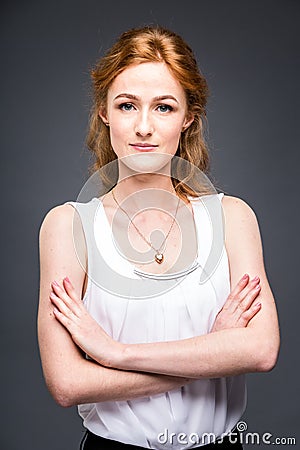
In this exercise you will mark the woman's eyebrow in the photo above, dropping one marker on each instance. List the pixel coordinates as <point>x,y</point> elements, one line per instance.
<point>165,97</point>
<point>131,96</point>
<point>155,99</point>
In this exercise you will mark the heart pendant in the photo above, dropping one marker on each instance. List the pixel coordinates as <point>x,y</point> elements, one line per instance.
<point>159,257</point>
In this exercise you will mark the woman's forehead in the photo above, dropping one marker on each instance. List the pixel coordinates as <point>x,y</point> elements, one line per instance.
<point>151,79</point>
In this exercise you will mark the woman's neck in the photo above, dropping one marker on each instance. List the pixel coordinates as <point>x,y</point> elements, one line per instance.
<point>133,182</point>
<point>140,182</point>
<point>141,190</point>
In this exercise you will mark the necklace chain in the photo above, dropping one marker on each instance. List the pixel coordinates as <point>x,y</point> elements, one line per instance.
<point>159,257</point>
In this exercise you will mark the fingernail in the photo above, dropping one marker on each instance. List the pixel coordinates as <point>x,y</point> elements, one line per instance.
<point>256,278</point>
<point>245,276</point>
<point>55,283</point>
<point>257,305</point>
<point>257,287</point>
<point>67,279</point>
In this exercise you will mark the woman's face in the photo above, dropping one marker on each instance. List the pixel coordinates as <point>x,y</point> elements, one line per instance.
<point>146,111</point>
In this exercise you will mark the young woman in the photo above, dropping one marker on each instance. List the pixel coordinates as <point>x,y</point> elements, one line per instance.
<point>140,324</point>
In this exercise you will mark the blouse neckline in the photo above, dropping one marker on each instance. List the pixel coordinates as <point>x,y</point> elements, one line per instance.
<point>133,270</point>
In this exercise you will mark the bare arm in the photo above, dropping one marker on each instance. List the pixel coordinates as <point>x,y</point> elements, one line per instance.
<point>226,351</point>
<point>230,351</point>
<point>71,378</point>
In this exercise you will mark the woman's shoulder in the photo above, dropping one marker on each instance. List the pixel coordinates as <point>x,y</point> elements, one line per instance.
<point>233,206</point>
<point>64,212</point>
<point>60,212</point>
<point>58,219</point>
<point>240,218</point>
<point>236,206</point>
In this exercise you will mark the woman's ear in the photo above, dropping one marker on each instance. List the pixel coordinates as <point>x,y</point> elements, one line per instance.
<point>103,116</point>
<point>188,121</point>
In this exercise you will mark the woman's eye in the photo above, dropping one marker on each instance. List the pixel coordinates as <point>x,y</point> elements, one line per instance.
<point>126,106</point>
<point>164,108</point>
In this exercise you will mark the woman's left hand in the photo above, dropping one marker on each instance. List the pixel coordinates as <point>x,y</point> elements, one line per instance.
<point>84,330</point>
<point>241,305</point>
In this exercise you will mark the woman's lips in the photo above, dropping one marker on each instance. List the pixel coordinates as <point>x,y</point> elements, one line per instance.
<point>144,147</point>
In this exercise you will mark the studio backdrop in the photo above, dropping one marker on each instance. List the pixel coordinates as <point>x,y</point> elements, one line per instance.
<point>249,54</point>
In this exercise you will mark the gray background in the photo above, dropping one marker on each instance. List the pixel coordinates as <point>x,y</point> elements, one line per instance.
<point>249,52</point>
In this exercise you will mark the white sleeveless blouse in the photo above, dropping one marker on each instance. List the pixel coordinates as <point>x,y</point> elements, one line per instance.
<point>178,306</point>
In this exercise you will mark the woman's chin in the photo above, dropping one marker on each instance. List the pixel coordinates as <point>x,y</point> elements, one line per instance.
<point>146,162</point>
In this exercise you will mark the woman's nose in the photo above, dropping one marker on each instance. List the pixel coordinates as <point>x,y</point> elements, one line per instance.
<point>143,125</point>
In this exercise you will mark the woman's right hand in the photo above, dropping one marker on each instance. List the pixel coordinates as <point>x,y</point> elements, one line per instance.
<point>240,306</point>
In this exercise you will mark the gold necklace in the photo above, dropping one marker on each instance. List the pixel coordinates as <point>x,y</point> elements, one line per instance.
<point>159,256</point>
